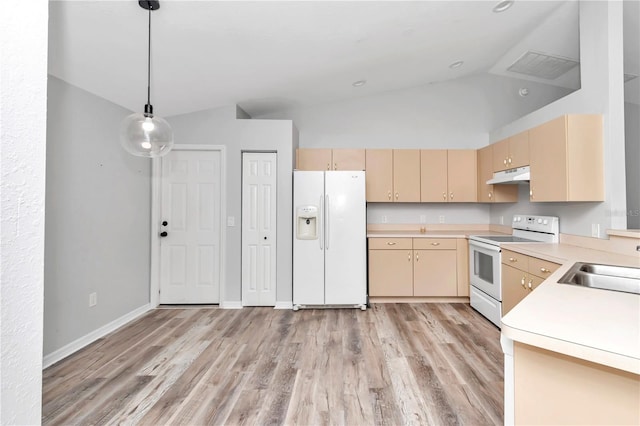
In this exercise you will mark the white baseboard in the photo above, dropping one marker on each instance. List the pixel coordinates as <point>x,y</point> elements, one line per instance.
<point>283,305</point>
<point>231,305</point>
<point>85,340</point>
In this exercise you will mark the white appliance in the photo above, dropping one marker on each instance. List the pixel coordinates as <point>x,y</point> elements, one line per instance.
<point>485,260</point>
<point>329,239</point>
<point>518,175</point>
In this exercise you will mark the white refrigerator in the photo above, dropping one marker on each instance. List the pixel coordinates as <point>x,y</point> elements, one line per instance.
<point>329,239</point>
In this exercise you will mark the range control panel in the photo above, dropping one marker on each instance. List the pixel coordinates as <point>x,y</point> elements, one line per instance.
<point>546,224</point>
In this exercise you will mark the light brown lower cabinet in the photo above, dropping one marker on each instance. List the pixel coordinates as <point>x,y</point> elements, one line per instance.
<point>556,389</point>
<point>420,267</point>
<point>521,275</point>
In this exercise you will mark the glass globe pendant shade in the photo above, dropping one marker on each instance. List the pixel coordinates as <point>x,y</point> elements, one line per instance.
<point>146,135</point>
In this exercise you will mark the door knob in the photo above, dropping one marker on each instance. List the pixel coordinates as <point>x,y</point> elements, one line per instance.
<point>165,223</point>
<point>164,234</point>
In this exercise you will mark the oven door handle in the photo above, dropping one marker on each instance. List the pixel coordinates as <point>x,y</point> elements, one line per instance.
<point>485,246</point>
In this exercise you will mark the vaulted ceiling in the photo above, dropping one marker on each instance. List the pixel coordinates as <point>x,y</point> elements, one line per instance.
<point>266,56</point>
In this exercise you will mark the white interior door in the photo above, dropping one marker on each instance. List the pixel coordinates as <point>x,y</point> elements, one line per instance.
<point>259,229</point>
<point>190,251</point>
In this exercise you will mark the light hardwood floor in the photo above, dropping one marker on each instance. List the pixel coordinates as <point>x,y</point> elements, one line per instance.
<point>393,364</point>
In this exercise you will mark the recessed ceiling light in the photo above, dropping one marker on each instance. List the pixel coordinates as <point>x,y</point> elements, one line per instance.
<point>456,64</point>
<point>359,83</point>
<point>503,5</point>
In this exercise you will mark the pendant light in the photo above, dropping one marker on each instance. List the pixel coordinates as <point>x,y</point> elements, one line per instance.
<point>146,134</point>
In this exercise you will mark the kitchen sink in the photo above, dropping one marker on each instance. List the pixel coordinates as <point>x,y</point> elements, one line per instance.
<point>605,277</point>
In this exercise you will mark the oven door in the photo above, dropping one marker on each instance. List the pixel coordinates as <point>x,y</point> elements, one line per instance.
<point>484,268</point>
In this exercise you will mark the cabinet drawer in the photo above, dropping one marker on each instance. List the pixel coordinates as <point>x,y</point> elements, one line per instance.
<point>390,244</point>
<point>541,268</point>
<point>516,260</point>
<point>434,243</point>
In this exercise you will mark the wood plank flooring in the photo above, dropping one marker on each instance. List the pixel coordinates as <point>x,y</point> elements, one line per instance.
<point>393,364</point>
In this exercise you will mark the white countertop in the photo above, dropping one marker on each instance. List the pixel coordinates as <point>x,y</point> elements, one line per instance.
<point>592,324</point>
<point>463,233</point>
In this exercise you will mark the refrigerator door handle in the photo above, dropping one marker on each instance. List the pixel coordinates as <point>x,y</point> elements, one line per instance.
<point>327,224</point>
<point>320,222</point>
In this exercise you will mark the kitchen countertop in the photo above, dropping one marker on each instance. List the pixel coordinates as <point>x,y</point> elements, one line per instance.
<point>596,325</point>
<point>463,233</point>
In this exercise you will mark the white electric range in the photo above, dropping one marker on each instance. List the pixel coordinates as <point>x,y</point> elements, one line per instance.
<point>485,260</point>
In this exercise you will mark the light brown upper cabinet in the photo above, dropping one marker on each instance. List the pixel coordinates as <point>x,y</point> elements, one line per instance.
<point>448,175</point>
<point>330,159</point>
<point>511,152</point>
<point>492,193</point>
<point>566,159</point>
<point>406,175</point>
<point>393,175</point>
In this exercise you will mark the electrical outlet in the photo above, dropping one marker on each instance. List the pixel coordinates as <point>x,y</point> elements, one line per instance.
<point>383,219</point>
<point>441,219</point>
<point>501,220</point>
<point>423,218</point>
<point>93,299</point>
<point>595,230</point>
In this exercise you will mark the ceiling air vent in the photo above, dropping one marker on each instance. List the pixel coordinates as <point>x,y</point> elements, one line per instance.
<point>629,77</point>
<point>542,65</point>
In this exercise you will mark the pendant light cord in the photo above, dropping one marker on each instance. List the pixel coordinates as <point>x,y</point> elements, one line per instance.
<point>149,62</point>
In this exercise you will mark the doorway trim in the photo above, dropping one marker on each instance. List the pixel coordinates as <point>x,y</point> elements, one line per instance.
<point>156,205</point>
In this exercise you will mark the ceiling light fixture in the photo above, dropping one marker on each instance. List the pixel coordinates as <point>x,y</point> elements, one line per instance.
<point>359,83</point>
<point>503,5</point>
<point>456,64</point>
<point>523,91</point>
<point>145,134</point>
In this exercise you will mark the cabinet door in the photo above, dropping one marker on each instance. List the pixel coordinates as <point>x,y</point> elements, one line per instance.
<point>348,159</point>
<point>518,150</point>
<point>462,176</point>
<point>379,167</point>
<point>548,152</point>
<point>434,273</point>
<point>500,155</point>
<point>390,273</point>
<point>433,175</point>
<point>313,159</point>
<point>406,175</point>
<point>514,283</point>
<point>485,172</point>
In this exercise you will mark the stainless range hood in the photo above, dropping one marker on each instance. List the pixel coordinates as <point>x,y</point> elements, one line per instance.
<point>511,176</point>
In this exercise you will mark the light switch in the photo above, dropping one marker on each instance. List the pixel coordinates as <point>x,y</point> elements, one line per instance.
<point>231,221</point>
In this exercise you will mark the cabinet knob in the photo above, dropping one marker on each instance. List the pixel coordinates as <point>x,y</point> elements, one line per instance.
<point>490,195</point>
<point>417,257</point>
<point>409,256</point>
<point>530,287</point>
<point>391,243</point>
<point>504,161</point>
<point>335,166</point>
<point>396,195</point>
<point>435,244</point>
<point>451,195</point>
<point>509,160</point>
<point>328,166</point>
<point>545,270</point>
<point>513,259</point>
<point>389,194</point>
<point>444,195</point>
<point>522,282</point>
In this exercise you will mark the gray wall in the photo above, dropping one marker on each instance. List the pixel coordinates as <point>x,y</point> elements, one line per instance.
<point>220,127</point>
<point>97,217</point>
<point>632,159</point>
